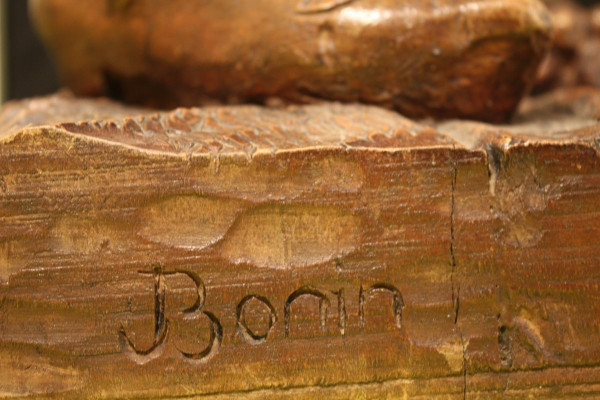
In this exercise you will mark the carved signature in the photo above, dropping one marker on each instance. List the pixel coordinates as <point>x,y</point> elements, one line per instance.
<point>162,327</point>
<point>161,323</point>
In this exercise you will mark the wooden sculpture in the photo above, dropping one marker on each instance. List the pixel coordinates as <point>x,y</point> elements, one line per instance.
<point>292,247</point>
<point>311,252</point>
<point>446,59</point>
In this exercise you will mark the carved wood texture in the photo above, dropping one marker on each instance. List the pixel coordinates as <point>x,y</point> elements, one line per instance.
<point>326,252</point>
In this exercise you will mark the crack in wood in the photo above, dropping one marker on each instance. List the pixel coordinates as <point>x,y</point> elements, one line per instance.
<point>455,294</point>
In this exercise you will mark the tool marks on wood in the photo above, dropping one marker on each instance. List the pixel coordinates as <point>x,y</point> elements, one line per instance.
<point>322,300</point>
<point>285,237</point>
<point>161,322</point>
<point>189,222</point>
<point>397,302</point>
<point>244,328</point>
<point>88,235</point>
<point>255,317</point>
<point>216,337</point>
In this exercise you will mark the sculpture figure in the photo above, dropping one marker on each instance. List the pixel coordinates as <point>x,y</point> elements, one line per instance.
<point>444,58</point>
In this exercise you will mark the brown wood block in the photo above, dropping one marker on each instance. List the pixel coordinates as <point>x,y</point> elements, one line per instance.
<point>311,252</point>
<point>444,58</point>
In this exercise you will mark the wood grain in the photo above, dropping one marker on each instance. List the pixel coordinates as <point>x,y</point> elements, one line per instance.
<point>311,252</point>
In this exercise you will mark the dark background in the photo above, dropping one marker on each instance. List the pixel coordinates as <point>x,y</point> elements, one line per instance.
<point>30,71</point>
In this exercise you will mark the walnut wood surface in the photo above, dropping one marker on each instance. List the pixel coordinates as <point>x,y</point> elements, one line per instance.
<point>443,58</point>
<point>312,252</point>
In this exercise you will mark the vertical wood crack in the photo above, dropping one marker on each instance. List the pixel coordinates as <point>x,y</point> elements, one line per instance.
<point>455,288</point>
<point>464,354</point>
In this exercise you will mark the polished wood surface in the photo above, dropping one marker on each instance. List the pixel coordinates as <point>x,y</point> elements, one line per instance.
<point>445,58</point>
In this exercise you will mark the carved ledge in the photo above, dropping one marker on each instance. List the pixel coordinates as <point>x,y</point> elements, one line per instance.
<point>268,252</point>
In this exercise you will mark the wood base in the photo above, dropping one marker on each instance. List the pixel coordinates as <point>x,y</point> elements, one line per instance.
<point>316,252</point>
